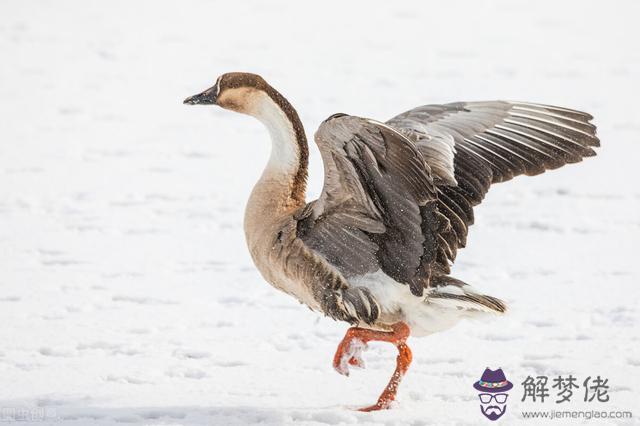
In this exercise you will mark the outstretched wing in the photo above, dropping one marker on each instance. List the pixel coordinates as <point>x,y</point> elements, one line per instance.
<point>470,145</point>
<point>377,210</point>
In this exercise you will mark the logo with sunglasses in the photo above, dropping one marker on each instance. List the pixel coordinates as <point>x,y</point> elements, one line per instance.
<point>493,387</point>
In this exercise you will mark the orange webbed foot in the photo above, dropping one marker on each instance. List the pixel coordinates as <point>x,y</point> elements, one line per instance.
<point>349,353</point>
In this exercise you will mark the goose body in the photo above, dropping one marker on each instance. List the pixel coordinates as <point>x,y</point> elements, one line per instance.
<point>375,248</point>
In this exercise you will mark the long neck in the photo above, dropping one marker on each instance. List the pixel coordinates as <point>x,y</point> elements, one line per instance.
<point>284,180</point>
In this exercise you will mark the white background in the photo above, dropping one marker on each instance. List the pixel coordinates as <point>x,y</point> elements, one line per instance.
<point>126,291</point>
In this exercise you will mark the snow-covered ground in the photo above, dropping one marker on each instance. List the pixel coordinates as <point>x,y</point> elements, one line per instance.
<point>126,291</point>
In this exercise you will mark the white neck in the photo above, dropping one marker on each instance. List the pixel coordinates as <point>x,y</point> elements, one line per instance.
<point>285,156</point>
<point>271,196</point>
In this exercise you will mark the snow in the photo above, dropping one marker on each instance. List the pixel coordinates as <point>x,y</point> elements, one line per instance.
<point>126,292</point>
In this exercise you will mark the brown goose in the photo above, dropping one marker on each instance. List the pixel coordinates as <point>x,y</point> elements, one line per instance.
<point>375,249</point>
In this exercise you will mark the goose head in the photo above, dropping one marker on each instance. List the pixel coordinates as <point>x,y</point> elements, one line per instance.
<point>236,91</point>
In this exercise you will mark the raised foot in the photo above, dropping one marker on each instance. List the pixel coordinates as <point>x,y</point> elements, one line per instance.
<point>355,342</point>
<point>349,353</point>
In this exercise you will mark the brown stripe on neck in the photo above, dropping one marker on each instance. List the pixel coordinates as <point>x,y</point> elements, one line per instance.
<point>299,183</point>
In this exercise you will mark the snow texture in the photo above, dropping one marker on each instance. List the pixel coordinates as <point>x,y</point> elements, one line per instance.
<point>126,291</point>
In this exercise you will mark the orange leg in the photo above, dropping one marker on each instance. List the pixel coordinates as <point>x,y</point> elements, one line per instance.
<point>355,341</point>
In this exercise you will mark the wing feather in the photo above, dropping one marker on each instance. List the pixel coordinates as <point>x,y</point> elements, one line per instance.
<point>399,197</point>
<point>378,206</point>
<point>471,145</point>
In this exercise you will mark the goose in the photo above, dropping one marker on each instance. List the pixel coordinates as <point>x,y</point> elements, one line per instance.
<point>376,248</point>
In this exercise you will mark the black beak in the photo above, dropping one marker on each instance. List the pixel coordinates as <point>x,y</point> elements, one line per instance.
<point>208,97</point>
